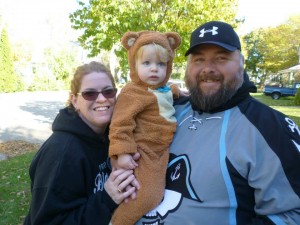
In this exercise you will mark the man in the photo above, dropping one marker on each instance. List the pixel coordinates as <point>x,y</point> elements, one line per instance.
<point>233,160</point>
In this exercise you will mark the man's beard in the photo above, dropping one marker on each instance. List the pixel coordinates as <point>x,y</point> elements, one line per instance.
<point>208,102</point>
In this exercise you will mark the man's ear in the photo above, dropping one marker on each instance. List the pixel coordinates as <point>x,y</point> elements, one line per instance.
<point>129,38</point>
<point>242,61</point>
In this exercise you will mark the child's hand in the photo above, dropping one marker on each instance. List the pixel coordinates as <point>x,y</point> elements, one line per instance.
<point>177,92</point>
<point>126,161</point>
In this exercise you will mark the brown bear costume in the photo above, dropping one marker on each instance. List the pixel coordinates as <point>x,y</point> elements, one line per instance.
<point>144,122</point>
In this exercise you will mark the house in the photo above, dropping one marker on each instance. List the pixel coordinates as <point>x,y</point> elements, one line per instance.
<point>292,74</point>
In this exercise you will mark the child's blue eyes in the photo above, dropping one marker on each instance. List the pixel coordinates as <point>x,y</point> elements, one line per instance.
<point>159,64</point>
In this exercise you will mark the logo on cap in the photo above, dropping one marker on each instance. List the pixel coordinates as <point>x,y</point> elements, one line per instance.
<point>213,31</point>
<point>216,33</point>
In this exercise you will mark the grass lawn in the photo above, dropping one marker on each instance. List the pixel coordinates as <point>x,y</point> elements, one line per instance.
<point>285,105</point>
<point>14,177</point>
<point>14,189</point>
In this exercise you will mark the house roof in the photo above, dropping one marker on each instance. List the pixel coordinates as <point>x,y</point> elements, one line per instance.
<point>291,69</point>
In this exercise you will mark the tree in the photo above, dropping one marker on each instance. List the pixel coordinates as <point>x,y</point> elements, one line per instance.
<point>9,81</point>
<point>275,48</point>
<point>58,72</point>
<point>105,21</point>
<point>279,46</point>
<point>62,64</point>
<point>254,56</point>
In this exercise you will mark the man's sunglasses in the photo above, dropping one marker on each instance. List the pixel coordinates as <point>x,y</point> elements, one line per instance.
<point>93,95</point>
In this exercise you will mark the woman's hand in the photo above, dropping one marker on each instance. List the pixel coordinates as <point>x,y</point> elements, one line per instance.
<point>121,185</point>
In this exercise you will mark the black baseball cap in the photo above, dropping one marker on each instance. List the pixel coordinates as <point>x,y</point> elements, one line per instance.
<point>215,32</point>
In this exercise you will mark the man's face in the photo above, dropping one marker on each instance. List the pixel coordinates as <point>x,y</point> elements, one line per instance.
<point>213,75</point>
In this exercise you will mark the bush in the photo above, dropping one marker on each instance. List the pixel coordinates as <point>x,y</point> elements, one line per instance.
<point>297,97</point>
<point>9,80</point>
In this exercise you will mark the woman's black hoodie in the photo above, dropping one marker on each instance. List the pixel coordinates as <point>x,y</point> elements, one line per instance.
<point>68,175</point>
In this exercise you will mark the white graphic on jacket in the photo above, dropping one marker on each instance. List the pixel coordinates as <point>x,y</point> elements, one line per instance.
<point>295,129</point>
<point>101,177</point>
<point>195,121</point>
<point>178,178</point>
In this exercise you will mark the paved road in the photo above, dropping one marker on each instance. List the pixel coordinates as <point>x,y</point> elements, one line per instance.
<point>28,115</point>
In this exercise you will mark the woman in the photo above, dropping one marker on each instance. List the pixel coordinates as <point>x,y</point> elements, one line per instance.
<point>70,174</point>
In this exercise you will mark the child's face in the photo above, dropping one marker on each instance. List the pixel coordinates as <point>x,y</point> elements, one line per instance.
<point>150,68</point>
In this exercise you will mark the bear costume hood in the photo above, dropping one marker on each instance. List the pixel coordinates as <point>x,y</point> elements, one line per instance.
<point>132,41</point>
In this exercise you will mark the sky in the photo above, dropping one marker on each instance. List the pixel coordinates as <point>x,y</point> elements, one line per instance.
<point>265,13</point>
<point>27,18</point>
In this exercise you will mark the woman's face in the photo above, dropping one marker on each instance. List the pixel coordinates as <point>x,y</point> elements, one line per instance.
<point>96,113</point>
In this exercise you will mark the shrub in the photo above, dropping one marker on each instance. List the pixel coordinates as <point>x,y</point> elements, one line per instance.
<point>9,80</point>
<point>297,97</point>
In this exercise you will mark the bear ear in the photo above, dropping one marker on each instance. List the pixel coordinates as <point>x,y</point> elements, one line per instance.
<point>129,38</point>
<point>174,39</point>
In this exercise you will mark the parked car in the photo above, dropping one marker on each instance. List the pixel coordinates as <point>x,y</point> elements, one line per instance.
<point>277,92</point>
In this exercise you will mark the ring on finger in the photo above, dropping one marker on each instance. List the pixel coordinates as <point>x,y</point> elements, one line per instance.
<point>120,191</point>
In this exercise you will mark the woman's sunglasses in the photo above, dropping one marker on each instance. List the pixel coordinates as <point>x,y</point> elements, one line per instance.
<point>93,95</point>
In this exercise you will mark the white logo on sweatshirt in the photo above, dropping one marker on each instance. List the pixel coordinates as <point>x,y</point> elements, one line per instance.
<point>294,128</point>
<point>101,177</point>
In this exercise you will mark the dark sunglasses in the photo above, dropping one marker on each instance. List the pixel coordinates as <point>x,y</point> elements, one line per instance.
<point>93,95</point>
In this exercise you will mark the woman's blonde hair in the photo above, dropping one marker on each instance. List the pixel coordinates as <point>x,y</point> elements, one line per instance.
<point>84,70</point>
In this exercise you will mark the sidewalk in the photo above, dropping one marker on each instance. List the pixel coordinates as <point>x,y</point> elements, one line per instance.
<point>28,115</point>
